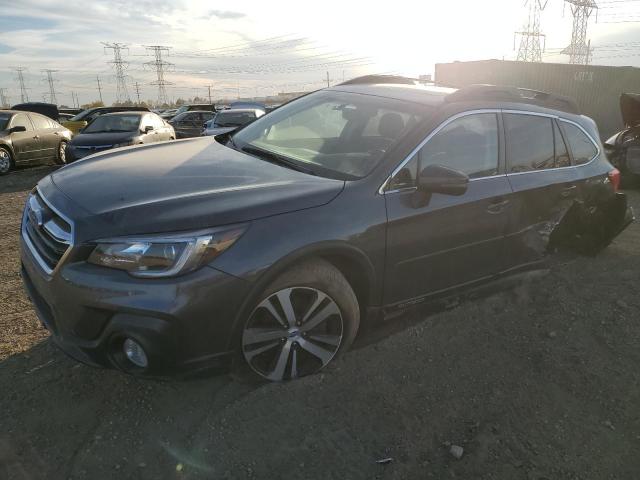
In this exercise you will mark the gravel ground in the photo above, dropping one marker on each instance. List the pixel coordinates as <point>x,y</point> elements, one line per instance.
<point>538,381</point>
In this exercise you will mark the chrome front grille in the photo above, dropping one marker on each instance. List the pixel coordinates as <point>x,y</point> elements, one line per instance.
<point>45,232</point>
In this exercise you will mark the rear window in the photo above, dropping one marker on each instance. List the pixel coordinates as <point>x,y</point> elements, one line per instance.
<point>581,145</point>
<point>233,119</point>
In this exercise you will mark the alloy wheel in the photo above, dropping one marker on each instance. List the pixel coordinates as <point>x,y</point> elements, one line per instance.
<point>5,161</point>
<point>292,333</point>
<point>62,153</point>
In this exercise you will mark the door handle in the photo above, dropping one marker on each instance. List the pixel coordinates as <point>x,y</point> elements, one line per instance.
<point>497,207</point>
<point>567,191</point>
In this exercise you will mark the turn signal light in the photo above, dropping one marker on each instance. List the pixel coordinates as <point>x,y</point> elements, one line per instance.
<point>614,178</point>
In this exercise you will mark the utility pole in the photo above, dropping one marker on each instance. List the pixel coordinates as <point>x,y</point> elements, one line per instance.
<point>4,100</point>
<point>160,66</point>
<point>24,97</point>
<point>328,80</point>
<point>209,88</point>
<point>99,88</point>
<point>137,85</point>
<point>531,49</point>
<point>579,50</point>
<point>52,89</point>
<point>122,94</point>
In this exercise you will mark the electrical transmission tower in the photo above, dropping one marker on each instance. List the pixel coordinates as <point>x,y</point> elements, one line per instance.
<point>4,100</point>
<point>122,94</point>
<point>531,39</point>
<point>137,86</point>
<point>579,50</point>
<point>52,89</point>
<point>160,66</point>
<point>24,97</point>
<point>99,88</point>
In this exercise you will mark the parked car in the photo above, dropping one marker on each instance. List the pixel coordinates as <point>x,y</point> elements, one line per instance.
<point>227,121</point>
<point>121,129</point>
<point>190,124</point>
<point>169,114</point>
<point>623,148</point>
<point>47,109</point>
<point>27,137</point>
<point>242,104</point>
<point>65,117</point>
<point>339,209</point>
<point>85,117</point>
<point>201,107</point>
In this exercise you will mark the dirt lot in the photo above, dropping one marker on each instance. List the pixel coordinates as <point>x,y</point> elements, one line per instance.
<point>537,382</point>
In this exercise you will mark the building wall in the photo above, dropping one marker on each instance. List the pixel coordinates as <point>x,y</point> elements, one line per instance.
<point>597,89</point>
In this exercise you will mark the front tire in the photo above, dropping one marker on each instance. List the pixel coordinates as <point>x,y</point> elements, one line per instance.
<point>302,322</point>
<point>6,162</point>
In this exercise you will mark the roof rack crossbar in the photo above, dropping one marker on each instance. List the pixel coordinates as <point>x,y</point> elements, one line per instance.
<point>516,95</point>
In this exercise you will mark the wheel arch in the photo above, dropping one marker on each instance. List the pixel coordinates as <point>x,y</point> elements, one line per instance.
<point>8,147</point>
<point>352,262</point>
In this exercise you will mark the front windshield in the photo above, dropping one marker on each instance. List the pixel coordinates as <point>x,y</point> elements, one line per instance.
<point>82,115</point>
<point>233,119</point>
<point>344,133</point>
<point>115,123</point>
<point>4,121</point>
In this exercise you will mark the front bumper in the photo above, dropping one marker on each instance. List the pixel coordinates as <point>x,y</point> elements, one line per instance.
<point>184,324</point>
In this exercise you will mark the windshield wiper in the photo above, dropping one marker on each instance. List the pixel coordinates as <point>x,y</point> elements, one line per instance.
<point>275,158</point>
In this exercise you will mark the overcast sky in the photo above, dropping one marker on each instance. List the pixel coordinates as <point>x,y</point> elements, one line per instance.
<point>258,47</point>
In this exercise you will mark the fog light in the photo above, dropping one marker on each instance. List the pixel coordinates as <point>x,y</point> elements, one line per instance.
<point>135,353</point>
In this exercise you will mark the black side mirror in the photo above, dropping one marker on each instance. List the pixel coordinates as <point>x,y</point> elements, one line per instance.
<point>148,129</point>
<point>18,128</point>
<point>444,180</point>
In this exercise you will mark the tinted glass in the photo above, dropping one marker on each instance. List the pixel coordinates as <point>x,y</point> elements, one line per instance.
<point>4,121</point>
<point>82,116</point>
<point>468,144</point>
<point>324,131</point>
<point>39,122</point>
<point>116,123</point>
<point>233,119</point>
<point>406,176</point>
<point>562,154</point>
<point>581,145</point>
<point>529,142</point>
<point>21,120</point>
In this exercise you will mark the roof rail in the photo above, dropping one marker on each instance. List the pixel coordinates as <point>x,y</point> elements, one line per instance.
<point>516,95</point>
<point>372,79</point>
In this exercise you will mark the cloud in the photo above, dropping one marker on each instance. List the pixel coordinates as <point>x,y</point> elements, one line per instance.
<point>225,14</point>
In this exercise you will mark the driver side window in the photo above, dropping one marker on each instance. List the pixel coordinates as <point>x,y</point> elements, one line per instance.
<point>468,144</point>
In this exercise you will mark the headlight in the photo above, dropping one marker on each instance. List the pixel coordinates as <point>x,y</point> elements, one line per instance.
<point>164,256</point>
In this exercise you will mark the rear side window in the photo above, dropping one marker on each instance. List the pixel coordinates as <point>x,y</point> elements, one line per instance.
<point>581,145</point>
<point>39,122</point>
<point>530,143</point>
<point>562,154</point>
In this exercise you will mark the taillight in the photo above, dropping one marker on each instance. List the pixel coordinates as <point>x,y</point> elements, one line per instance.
<point>614,178</point>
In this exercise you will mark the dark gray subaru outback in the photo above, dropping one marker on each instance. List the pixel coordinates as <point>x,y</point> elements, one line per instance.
<point>276,245</point>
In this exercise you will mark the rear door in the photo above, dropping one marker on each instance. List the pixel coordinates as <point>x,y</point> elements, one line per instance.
<point>26,145</point>
<point>436,242</point>
<point>543,180</point>
<point>49,140</point>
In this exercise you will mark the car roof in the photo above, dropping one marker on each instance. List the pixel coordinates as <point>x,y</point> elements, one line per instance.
<point>13,112</point>
<point>126,112</point>
<point>242,110</point>
<point>427,95</point>
<point>196,111</point>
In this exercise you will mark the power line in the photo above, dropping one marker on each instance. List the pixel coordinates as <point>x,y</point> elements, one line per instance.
<point>122,94</point>
<point>160,66</point>
<point>530,49</point>
<point>24,96</point>
<point>52,89</point>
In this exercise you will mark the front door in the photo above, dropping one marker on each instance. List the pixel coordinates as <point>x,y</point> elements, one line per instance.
<point>26,145</point>
<point>436,242</point>
<point>48,137</point>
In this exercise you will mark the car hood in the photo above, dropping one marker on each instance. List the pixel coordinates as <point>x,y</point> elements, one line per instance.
<point>185,184</point>
<point>630,109</point>
<point>93,139</point>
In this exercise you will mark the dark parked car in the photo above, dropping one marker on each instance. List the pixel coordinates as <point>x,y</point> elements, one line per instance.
<point>338,209</point>
<point>27,137</point>
<point>623,148</point>
<point>201,107</point>
<point>190,124</point>
<point>226,121</point>
<point>84,118</point>
<point>122,129</point>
